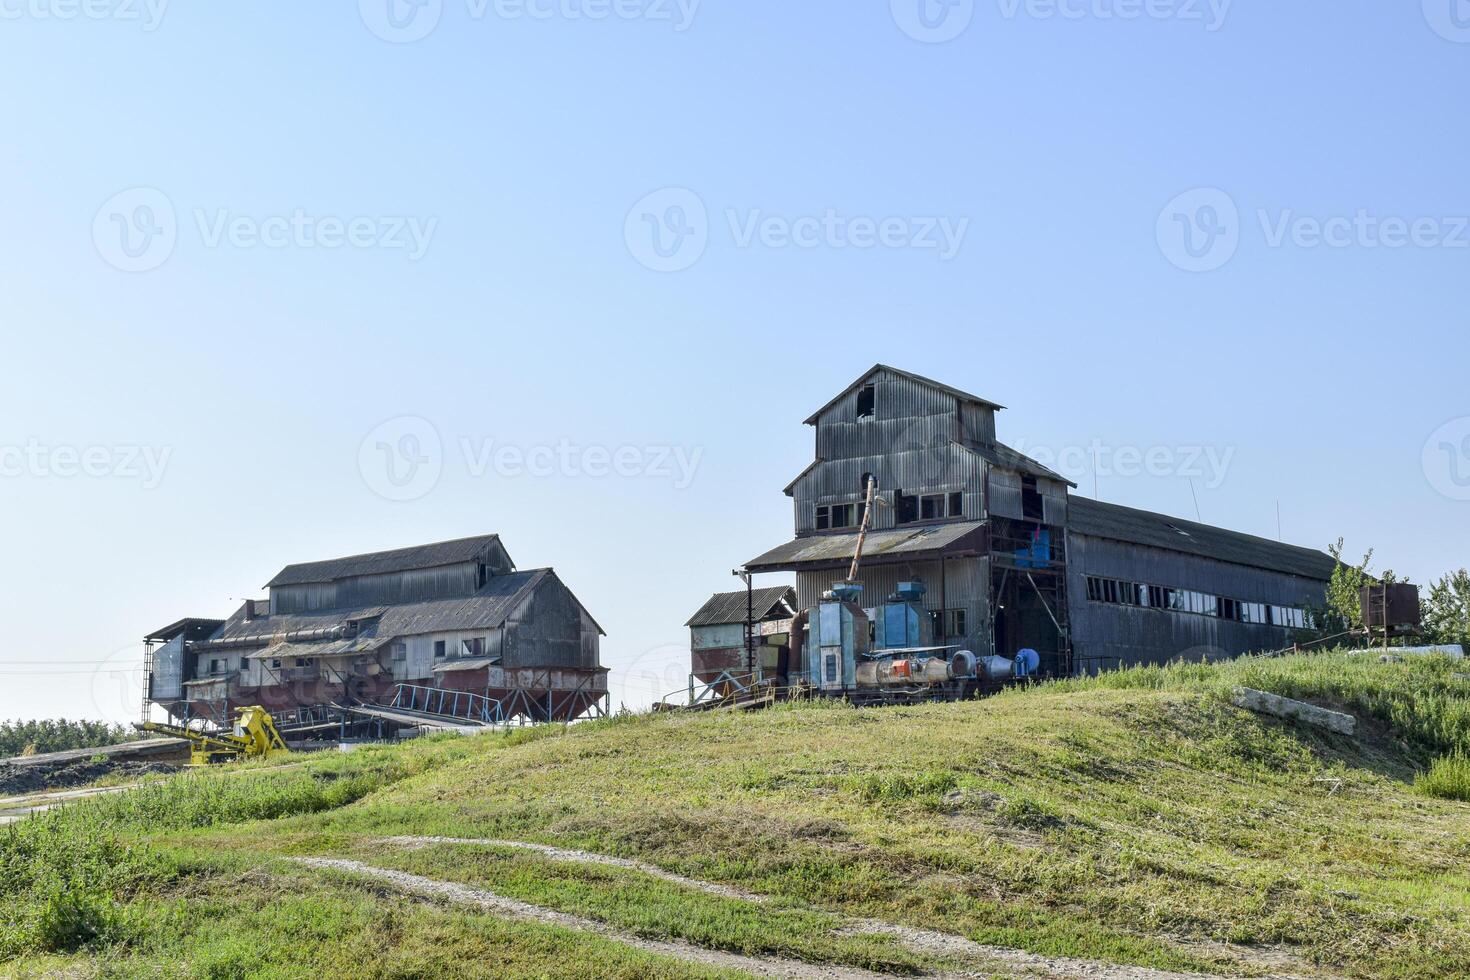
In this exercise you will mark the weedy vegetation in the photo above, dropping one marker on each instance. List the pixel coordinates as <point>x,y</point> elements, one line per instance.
<point>1134,818</point>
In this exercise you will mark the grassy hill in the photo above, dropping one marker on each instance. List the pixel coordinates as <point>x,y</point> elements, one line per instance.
<point>1137,820</point>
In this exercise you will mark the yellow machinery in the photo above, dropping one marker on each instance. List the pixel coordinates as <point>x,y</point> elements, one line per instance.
<point>254,737</point>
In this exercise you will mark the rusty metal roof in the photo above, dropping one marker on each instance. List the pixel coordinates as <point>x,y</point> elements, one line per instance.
<point>724,608</point>
<point>398,560</point>
<point>928,540</point>
<point>1127,524</point>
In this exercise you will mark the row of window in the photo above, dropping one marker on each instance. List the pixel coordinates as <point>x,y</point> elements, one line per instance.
<point>1123,593</point>
<point>907,509</point>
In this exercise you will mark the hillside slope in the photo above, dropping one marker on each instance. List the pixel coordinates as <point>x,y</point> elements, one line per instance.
<point>1138,820</point>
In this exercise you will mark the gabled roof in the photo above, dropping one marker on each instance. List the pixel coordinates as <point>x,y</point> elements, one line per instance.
<point>963,396</point>
<point>1118,523</point>
<point>730,607</point>
<point>487,608</point>
<point>398,560</point>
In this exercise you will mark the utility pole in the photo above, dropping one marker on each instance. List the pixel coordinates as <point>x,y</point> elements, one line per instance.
<point>745,576</point>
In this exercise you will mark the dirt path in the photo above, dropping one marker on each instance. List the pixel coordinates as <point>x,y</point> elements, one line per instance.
<point>524,911</point>
<point>923,941</point>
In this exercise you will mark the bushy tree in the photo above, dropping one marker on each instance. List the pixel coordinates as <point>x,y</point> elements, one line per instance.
<point>1447,609</point>
<point>33,737</point>
<point>1344,610</point>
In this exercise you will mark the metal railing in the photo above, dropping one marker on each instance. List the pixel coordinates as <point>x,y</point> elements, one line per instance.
<point>450,704</point>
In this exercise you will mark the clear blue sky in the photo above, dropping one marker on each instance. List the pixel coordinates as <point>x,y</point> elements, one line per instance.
<point>522,145</point>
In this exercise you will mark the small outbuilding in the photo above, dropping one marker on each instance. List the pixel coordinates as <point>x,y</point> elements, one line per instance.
<point>718,633</point>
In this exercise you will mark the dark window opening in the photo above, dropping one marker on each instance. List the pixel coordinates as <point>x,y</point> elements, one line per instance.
<point>956,623</point>
<point>301,661</point>
<point>440,651</point>
<point>956,505</point>
<point>473,648</point>
<point>905,508</point>
<point>867,479</point>
<point>866,401</point>
<point>931,507</point>
<point>1228,609</point>
<point>1031,505</point>
<point>834,516</point>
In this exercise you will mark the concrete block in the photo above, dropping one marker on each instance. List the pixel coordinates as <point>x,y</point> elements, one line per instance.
<point>1279,707</point>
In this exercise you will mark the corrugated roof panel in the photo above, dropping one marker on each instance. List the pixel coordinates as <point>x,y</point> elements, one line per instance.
<point>730,607</point>
<point>397,560</point>
<point>822,549</point>
<point>1116,522</point>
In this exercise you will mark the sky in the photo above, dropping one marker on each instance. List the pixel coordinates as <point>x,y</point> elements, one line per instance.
<point>285,281</point>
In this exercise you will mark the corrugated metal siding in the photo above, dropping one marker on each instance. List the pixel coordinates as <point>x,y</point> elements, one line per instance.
<point>942,470</point>
<point>549,630</point>
<point>407,586</point>
<point>167,679</point>
<point>1148,636</point>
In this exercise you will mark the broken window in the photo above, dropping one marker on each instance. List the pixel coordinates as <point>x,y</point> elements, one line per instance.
<point>301,662</point>
<point>474,647</point>
<point>905,508</point>
<point>866,401</point>
<point>1031,505</point>
<point>400,651</point>
<point>440,650</point>
<point>956,505</point>
<point>1228,609</point>
<point>276,663</point>
<point>931,507</point>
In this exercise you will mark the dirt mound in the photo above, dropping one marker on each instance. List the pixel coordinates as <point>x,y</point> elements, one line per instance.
<point>19,780</point>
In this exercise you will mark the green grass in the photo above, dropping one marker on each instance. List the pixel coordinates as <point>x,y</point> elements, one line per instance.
<point>1137,818</point>
<point>1448,777</point>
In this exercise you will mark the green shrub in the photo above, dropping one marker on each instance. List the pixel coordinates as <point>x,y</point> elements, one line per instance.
<point>1448,778</point>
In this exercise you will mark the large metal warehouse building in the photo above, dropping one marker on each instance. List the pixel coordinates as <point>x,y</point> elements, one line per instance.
<point>1010,557</point>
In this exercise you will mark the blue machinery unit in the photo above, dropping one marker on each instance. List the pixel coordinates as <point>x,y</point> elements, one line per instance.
<point>888,654</point>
